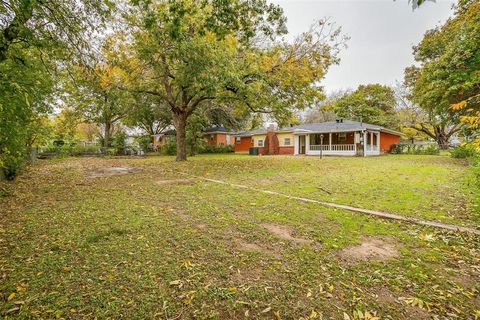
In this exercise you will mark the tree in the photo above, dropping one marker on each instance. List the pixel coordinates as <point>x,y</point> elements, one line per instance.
<point>148,113</point>
<point>95,93</point>
<point>372,103</point>
<point>65,124</point>
<point>36,38</point>
<point>449,58</point>
<point>418,3</point>
<point>193,53</point>
<point>26,89</point>
<point>472,115</point>
<point>44,24</point>
<point>324,111</point>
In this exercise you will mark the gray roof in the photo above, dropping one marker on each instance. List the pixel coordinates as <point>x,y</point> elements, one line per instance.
<point>333,126</point>
<point>217,129</point>
<point>324,127</point>
<point>250,133</point>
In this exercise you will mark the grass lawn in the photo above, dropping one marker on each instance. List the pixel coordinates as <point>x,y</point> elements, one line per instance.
<point>78,240</point>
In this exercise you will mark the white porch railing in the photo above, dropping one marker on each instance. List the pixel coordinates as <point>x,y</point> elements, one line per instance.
<point>335,147</point>
<point>372,147</point>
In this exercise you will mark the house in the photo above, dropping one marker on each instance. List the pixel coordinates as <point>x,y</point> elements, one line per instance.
<point>218,136</point>
<point>160,139</point>
<point>341,137</point>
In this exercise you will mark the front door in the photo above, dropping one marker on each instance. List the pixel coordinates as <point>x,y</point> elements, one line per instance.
<point>301,144</point>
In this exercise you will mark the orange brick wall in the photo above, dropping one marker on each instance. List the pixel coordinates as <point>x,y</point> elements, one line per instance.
<point>286,150</point>
<point>386,141</point>
<point>244,145</point>
<point>216,139</point>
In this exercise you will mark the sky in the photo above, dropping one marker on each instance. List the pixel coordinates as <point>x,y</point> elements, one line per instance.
<point>382,33</point>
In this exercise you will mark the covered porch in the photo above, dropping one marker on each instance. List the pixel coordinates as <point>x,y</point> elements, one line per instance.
<point>366,143</point>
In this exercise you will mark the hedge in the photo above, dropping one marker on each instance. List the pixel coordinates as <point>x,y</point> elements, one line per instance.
<point>401,148</point>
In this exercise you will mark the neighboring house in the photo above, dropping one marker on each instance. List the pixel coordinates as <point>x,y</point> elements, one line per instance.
<point>341,137</point>
<point>218,136</point>
<point>160,139</point>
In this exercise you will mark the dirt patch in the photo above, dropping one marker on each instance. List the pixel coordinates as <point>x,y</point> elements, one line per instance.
<point>201,226</point>
<point>111,171</point>
<point>248,246</point>
<point>174,181</point>
<point>370,249</point>
<point>284,232</point>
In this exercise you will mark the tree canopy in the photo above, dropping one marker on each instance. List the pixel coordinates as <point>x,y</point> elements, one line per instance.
<point>36,39</point>
<point>449,58</point>
<point>372,103</point>
<point>194,53</point>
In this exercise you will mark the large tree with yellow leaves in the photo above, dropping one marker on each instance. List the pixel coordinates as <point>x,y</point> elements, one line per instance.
<point>447,84</point>
<point>195,53</point>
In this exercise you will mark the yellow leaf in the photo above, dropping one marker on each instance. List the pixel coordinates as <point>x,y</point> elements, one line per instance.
<point>11,296</point>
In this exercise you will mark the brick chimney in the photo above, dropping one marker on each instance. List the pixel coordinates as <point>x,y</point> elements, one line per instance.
<point>271,145</point>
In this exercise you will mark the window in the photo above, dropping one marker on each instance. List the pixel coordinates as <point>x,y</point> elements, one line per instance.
<point>286,141</point>
<point>238,140</point>
<point>260,143</point>
<point>342,136</point>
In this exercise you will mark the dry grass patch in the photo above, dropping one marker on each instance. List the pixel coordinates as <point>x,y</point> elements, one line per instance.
<point>285,232</point>
<point>111,171</point>
<point>370,249</point>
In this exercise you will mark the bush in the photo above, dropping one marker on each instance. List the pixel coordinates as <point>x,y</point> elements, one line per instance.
<point>463,152</point>
<point>404,148</point>
<point>144,142</point>
<point>217,149</point>
<point>78,150</point>
<point>119,142</point>
<point>170,147</point>
<point>11,167</point>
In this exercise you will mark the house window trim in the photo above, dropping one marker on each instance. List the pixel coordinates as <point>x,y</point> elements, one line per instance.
<point>260,143</point>
<point>287,142</point>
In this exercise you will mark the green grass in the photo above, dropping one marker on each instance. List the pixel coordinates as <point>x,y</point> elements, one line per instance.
<point>128,246</point>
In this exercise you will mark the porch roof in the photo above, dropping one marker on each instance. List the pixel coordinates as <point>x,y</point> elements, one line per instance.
<point>334,126</point>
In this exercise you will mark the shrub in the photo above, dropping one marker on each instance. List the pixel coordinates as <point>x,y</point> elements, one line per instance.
<point>404,148</point>
<point>463,152</point>
<point>88,149</point>
<point>144,142</point>
<point>12,166</point>
<point>170,147</point>
<point>119,142</point>
<point>217,149</point>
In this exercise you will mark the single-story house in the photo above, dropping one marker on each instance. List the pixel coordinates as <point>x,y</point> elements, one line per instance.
<point>341,137</point>
<point>160,139</point>
<point>218,136</point>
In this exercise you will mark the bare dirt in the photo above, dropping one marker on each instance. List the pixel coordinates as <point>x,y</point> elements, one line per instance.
<point>111,171</point>
<point>284,232</point>
<point>370,249</point>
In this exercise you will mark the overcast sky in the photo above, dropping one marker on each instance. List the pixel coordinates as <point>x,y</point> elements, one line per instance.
<point>382,34</point>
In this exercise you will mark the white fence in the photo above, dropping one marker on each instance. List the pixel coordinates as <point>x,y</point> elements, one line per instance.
<point>335,147</point>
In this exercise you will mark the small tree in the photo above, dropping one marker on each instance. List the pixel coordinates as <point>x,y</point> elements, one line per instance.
<point>95,93</point>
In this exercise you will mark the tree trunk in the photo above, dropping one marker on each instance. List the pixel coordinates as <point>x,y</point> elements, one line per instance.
<point>442,142</point>
<point>180,123</point>
<point>106,137</point>
<point>441,138</point>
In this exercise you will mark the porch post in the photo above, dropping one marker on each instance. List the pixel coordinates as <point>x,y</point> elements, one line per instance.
<point>378,142</point>
<point>365,135</point>
<point>330,141</point>
<point>307,144</point>
<point>371,141</point>
<point>295,144</point>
